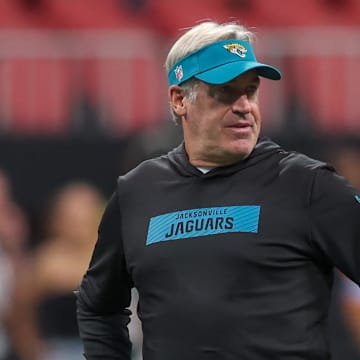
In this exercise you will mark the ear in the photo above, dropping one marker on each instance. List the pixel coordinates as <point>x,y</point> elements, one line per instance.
<point>177,100</point>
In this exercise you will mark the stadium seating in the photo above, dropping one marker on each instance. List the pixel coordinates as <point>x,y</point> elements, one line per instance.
<point>54,52</point>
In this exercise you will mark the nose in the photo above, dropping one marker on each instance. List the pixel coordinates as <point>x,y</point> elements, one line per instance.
<point>241,105</point>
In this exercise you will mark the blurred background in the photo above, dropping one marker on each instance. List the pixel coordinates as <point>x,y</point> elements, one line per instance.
<point>83,98</point>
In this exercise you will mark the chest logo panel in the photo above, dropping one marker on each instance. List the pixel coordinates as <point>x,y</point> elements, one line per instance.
<point>203,222</point>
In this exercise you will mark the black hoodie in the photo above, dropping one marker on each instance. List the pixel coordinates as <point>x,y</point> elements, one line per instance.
<point>233,264</point>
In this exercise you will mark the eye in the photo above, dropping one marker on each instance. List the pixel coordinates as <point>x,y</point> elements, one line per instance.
<point>219,91</point>
<point>223,89</point>
<point>225,93</point>
<point>251,91</point>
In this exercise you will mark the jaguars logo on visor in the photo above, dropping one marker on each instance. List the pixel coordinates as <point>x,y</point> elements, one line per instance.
<point>236,49</point>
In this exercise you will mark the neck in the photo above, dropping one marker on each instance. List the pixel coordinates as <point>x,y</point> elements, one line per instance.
<point>213,160</point>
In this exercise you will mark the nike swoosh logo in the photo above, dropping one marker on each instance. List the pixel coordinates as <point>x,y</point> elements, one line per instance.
<point>357,198</point>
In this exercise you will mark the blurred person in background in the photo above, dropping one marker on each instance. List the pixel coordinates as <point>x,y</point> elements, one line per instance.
<point>345,156</point>
<point>14,232</point>
<point>229,239</point>
<point>44,303</point>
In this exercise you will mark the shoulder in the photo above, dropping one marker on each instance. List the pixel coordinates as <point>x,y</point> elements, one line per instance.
<point>147,168</point>
<point>287,160</point>
<point>159,167</point>
<point>295,161</point>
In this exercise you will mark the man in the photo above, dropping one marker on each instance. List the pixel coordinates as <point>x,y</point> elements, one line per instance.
<point>230,240</point>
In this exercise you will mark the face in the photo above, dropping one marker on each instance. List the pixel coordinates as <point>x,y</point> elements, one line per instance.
<point>222,124</point>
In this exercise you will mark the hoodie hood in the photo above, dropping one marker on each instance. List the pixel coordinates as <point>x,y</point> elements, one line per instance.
<point>180,161</point>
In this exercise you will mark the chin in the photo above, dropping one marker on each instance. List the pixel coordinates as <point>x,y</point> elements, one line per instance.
<point>232,157</point>
<point>243,148</point>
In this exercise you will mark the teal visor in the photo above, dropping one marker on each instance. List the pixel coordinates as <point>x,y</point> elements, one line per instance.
<point>219,63</point>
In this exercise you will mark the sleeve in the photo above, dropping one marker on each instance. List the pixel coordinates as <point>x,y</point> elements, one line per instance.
<point>104,294</point>
<point>335,222</point>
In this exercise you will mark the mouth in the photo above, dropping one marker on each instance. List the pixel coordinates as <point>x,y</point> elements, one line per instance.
<point>239,125</point>
<point>240,129</point>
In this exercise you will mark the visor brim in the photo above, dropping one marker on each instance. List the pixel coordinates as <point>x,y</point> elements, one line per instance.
<point>227,72</point>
